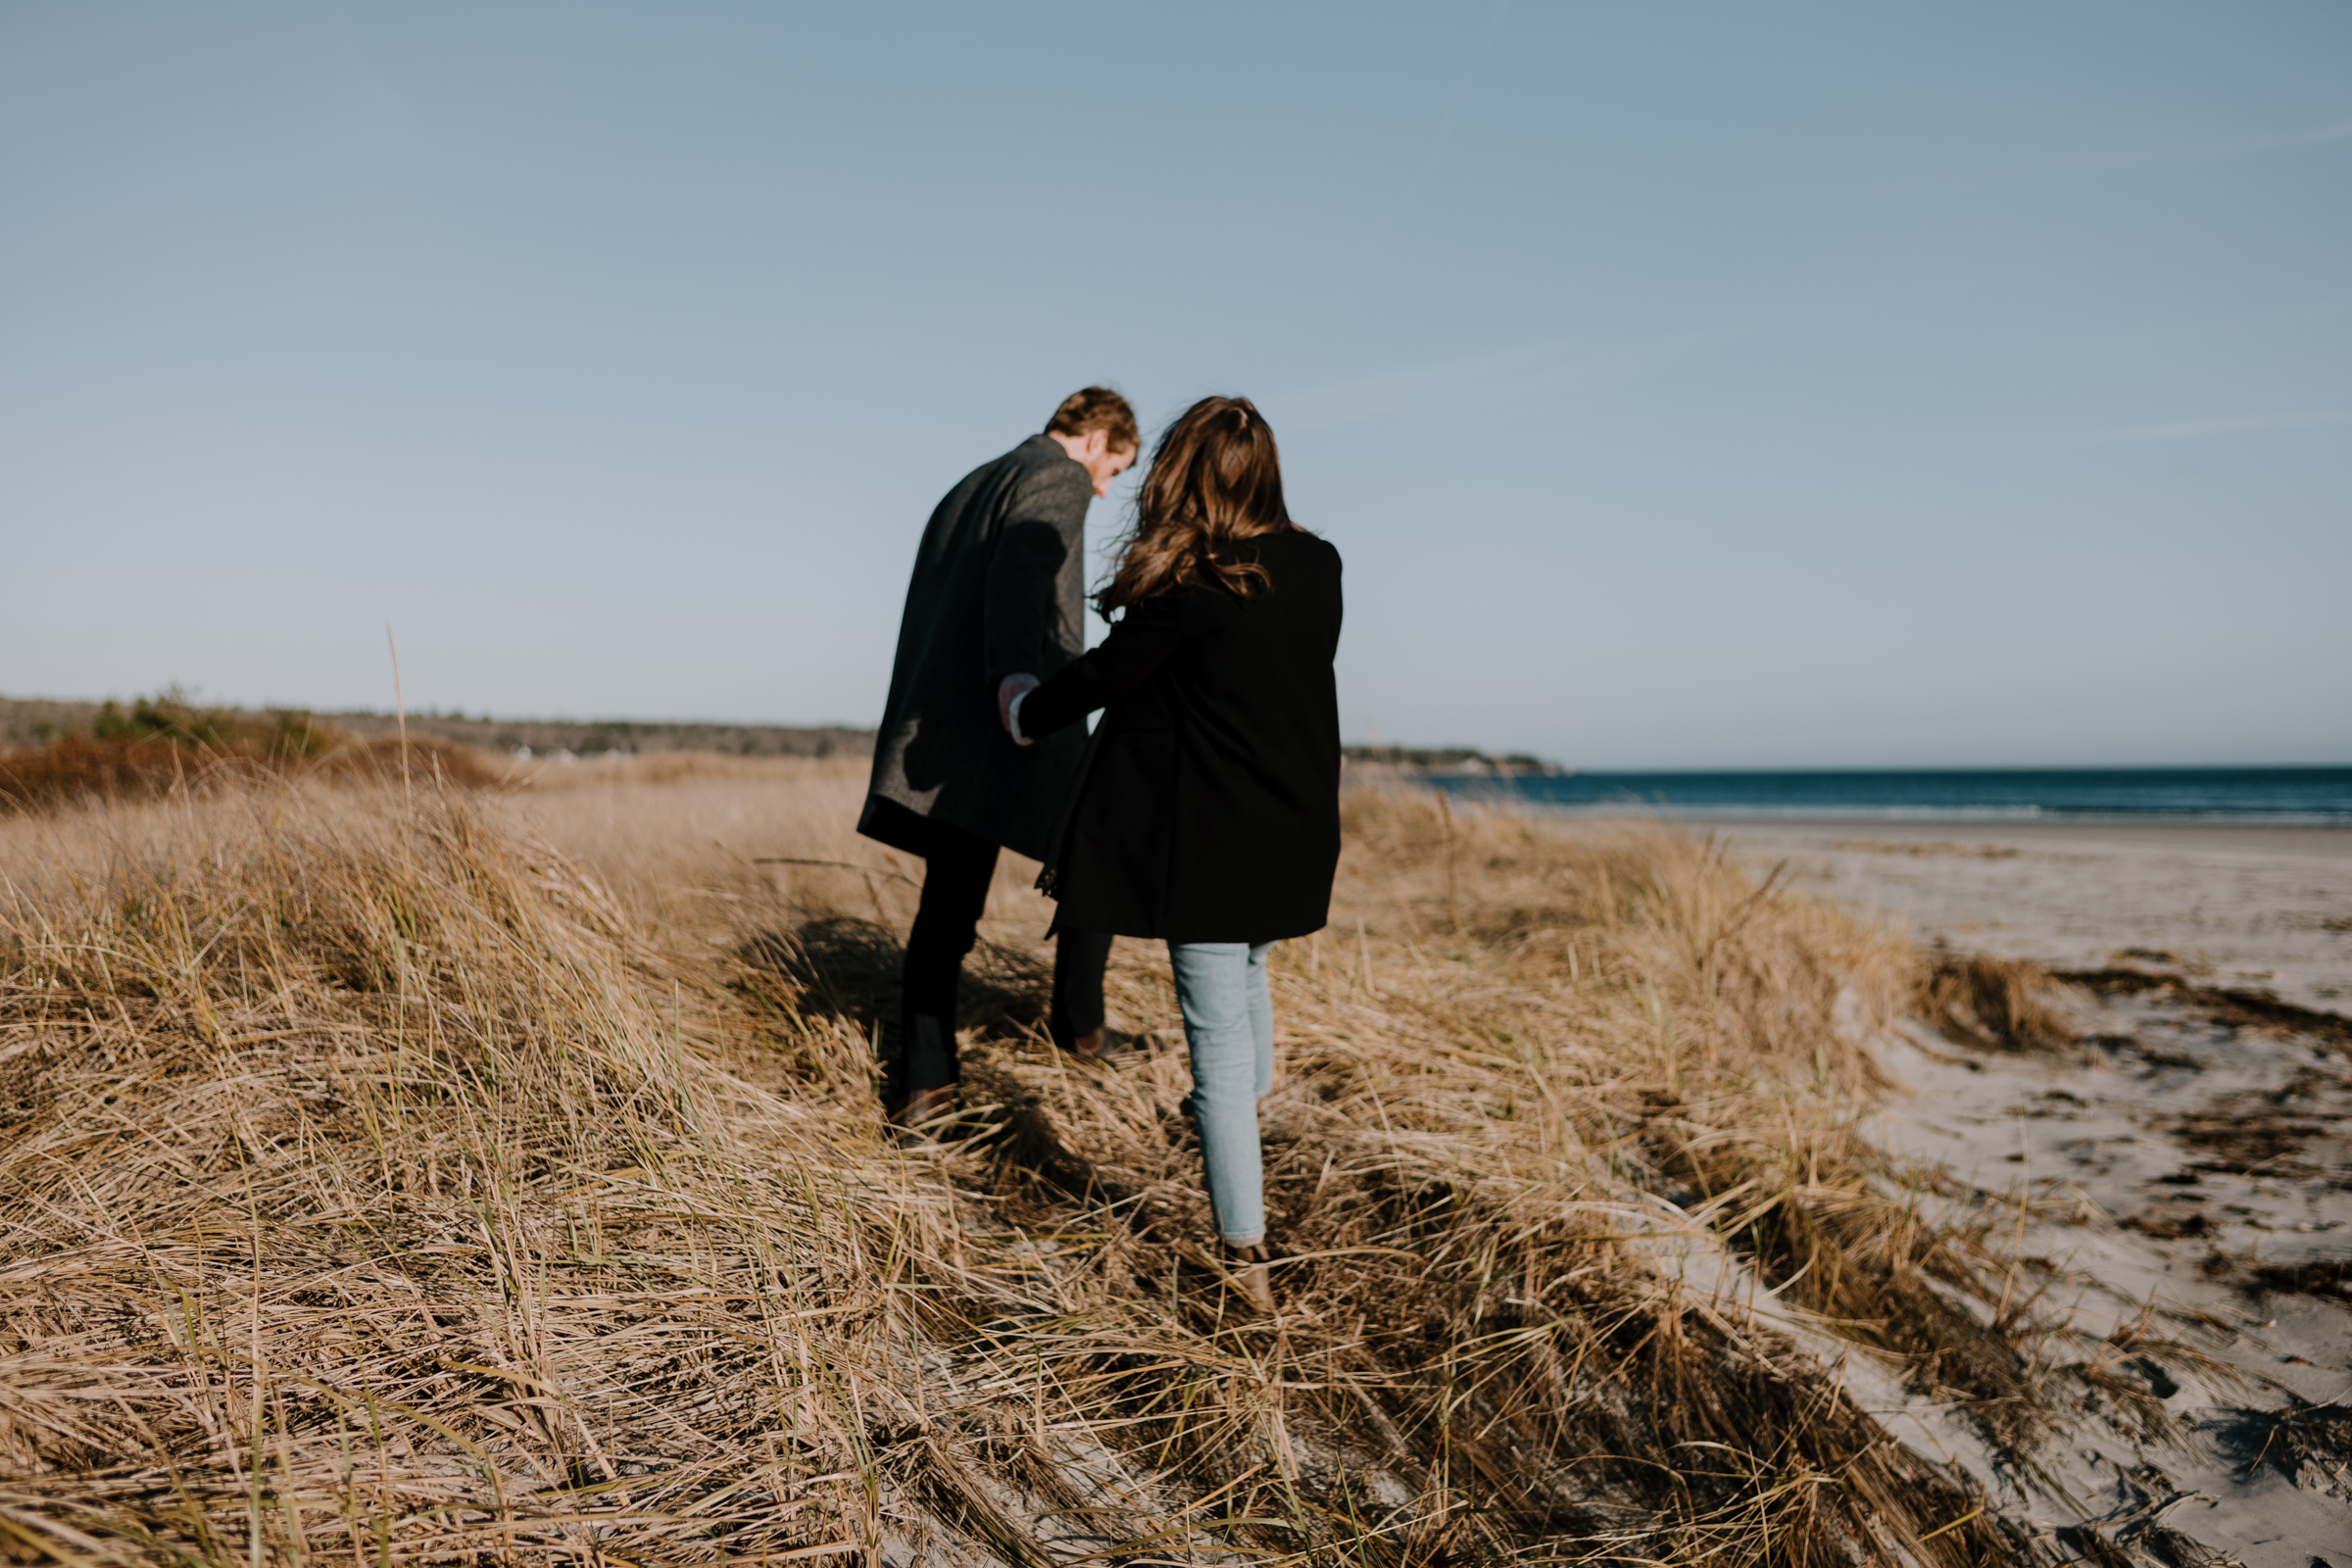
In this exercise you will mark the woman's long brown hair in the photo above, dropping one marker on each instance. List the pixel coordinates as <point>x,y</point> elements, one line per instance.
<point>1215,480</point>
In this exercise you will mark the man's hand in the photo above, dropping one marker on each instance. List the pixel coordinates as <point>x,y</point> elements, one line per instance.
<point>1007,689</point>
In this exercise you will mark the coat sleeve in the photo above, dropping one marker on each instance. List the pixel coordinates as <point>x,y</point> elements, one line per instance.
<point>1146,635</point>
<point>1045,525</point>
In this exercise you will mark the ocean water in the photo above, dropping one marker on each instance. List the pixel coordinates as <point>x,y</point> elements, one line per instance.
<point>2284,796</point>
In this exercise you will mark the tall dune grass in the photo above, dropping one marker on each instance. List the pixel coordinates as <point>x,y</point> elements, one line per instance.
<point>164,745</point>
<point>504,1181</point>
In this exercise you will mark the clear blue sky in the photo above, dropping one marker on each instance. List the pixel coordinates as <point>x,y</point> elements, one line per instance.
<point>1684,384</point>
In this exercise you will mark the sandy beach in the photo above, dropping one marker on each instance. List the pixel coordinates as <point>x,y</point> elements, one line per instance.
<point>2265,907</point>
<point>2185,1175</point>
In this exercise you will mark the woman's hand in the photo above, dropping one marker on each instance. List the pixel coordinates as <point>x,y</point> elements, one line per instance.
<point>1010,688</point>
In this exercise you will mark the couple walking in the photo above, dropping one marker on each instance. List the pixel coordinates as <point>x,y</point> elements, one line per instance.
<point>1204,810</point>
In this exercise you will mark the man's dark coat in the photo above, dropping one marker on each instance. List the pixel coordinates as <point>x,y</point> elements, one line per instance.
<point>1211,808</point>
<point>998,589</point>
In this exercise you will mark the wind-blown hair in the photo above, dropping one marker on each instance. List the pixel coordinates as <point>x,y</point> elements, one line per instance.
<point>1215,480</point>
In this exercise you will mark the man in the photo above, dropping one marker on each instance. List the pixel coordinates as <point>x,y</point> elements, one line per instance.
<point>998,590</point>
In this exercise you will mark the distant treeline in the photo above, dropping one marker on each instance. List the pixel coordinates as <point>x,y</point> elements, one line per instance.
<point>1448,760</point>
<point>546,737</point>
<point>35,722</point>
<point>27,722</point>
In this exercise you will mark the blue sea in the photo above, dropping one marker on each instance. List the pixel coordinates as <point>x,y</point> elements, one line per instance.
<point>2281,795</point>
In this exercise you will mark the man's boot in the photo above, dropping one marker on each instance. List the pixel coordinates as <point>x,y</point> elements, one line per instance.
<point>928,1069</point>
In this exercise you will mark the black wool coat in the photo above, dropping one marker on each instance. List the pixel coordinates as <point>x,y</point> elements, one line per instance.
<point>998,589</point>
<point>1209,808</point>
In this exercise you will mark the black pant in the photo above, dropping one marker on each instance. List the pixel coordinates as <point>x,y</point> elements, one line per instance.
<point>956,877</point>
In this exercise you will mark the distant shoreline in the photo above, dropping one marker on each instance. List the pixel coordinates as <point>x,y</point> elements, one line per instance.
<point>1935,823</point>
<point>30,721</point>
<point>1993,798</point>
<point>1464,771</point>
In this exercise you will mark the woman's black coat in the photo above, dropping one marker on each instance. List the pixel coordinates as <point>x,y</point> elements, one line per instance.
<point>1209,805</point>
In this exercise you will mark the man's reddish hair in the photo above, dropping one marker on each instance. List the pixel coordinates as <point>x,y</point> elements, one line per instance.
<point>1098,408</point>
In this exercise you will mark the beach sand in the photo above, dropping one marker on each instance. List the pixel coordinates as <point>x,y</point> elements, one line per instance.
<point>2192,1168</point>
<point>2261,908</point>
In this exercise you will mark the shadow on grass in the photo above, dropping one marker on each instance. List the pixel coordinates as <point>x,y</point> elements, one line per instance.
<point>2304,1442</point>
<point>846,970</point>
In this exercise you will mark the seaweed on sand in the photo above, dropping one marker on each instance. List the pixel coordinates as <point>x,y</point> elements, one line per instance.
<point>2000,1003</point>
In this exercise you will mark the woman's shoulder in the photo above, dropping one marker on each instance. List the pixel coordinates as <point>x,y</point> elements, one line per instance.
<point>1304,542</point>
<point>1295,549</point>
<point>1188,608</point>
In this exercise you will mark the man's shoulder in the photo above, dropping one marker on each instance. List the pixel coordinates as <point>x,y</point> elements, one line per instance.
<point>1037,462</point>
<point>1045,476</point>
<point>1042,454</point>
<point>1040,451</point>
<point>1002,463</point>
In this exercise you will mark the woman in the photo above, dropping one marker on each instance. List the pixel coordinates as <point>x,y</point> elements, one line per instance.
<point>1207,813</point>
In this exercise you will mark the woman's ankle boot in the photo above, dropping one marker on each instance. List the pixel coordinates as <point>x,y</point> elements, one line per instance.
<point>1247,1266</point>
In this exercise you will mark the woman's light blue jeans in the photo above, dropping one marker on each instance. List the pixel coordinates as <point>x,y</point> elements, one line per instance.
<point>1229,1026</point>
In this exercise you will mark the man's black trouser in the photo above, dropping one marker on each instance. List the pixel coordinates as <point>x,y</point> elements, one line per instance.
<point>956,877</point>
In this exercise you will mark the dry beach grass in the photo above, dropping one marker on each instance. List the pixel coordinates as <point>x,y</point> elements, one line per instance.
<point>163,745</point>
<point>500,1178</point>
